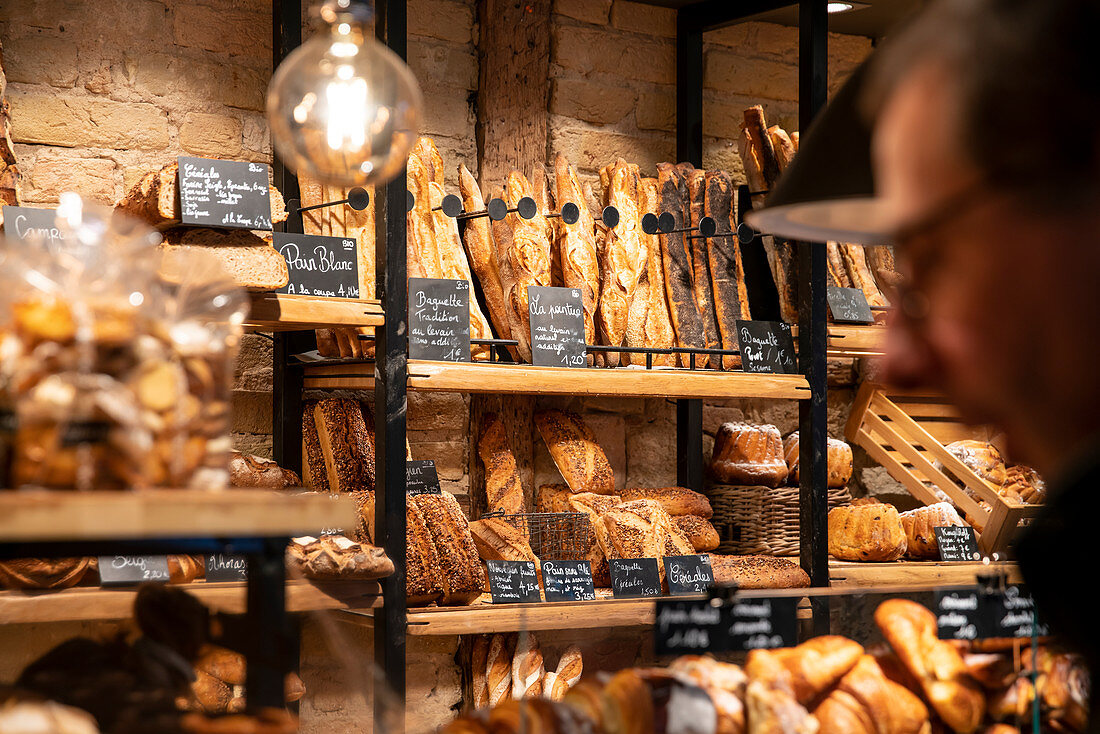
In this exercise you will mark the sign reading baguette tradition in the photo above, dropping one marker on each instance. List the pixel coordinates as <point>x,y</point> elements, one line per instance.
<point>766,346</point>
<point>849,306</point>
<point>319,266</point>
<point>439,319</point>
<point>688,574</point>
<point>233,194</point>
<point>226,567</point>
<point>957,543</point>
<point>125,570</point>
<point>557,327</point>
<point>513,582</point>
<point>421,478</point>
<point>27,224</point>
<point>632,578</point>
<point>568,580</point>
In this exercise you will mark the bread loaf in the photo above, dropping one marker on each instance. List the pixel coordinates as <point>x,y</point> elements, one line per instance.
<point>635,323</point>
<point>185,569</point>
<point>783,146</point>
<point>429,156</point>
<point>674,500</point>
<point>657,332</point>
<point>42,573</point>
<point>699,532</point>
<point>855,260</point>
<point>727,274</point>
<point>524,259</point>
<point>479,658</point>
<point>478,239</point>
<point>936,664</point>
<point>594,505</point>
<point>497,540</point>
<point>335,557</point>
<point>642,529</point>
<point>574,449</point>
<point>314,473</point>
<point>250,261</point>
<point>155,200</point>
<point>757,572</point>
<point>880,258</point>
<point>981,457</point>
<point>568,672</point>
<point>866,533</point>
<point>676,261</point>
<point>702,286</point>
<point>838,460</point>
<point>748,454</point>
<point>347,444</point>
<point>423,254</point>
<point>867,701</point>
<point>837,270</point>
<point>919,527</point>
<point>423,579</point>
<point>527,668</point>
<point>326,343</point>
<point>498,671</point>
<point>553,498</point>
<point>623,260</point>
<point>1024,482</point>
<point>576,244</point>
<point>503,486</point>
<point>772,710</point>
<point>459,562</point>
<point>255,471</point>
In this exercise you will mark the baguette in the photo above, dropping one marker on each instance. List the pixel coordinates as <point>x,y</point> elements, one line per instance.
<point>503,486</point>
<point>623,260</point>
<point>781,143</point>
<point>429,155</point>
<point>250,261</point>
<point>527,668</point>
<point>525,261</point>
<point>855,261</point>
<point>635,323</point>
<point>658,333</point>
<point>837,270</point>
<point>479,659</point>
<point>568,672</point>
<point>686,321</point>
<point>423,256</point>
<point>452,258</point>
<point>576,245</point>
<point>881,260</point>
<point>727,275</point>
<point>674,500</point>
<point>498,667</point>
<point>478,238</point>
<point>702,288</point>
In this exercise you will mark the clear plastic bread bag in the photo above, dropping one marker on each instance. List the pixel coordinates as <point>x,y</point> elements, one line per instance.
<point>94,344</point>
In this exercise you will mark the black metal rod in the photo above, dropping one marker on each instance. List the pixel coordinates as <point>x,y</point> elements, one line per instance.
<point>710,15</point>
<point>267,647</point>
<point>689,444</point>
<point>321,206</point>
<point>689,90</point>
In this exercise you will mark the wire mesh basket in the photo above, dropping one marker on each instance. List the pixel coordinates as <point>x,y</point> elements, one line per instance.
<point>554,536</point>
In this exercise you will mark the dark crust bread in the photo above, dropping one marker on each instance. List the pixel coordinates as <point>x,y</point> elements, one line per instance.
<point>686,321</point>
<point>758,572</point>
<point>42,573</point>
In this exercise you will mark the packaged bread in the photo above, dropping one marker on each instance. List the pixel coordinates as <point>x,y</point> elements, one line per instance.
<point>980,457</point>
<point>920,525</point>
<point>575,451</point>
<point>1024,482</point>
<point>866,533</point>
<point>838,460</point>
<point>748,454</point>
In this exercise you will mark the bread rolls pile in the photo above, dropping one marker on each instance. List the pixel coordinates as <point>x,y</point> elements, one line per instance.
<point>914,684</point>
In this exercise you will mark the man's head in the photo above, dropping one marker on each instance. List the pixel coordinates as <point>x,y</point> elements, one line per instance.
<point>987,151</point>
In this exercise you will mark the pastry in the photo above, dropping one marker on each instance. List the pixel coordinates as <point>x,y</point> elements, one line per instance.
<point>748,454</point>
<point>920,524</point>
<point>866,533</point>
<point>808,670</point>
<point>867,702</point>
<point>981,457</point>
<point>574,449</point>
<point>757,572</point>
<point>838,460</point>
<point>674,500</point>
<point>1025,483</point>
<point>503,486</point>
<point>700,533</point>
<point>775,711</point>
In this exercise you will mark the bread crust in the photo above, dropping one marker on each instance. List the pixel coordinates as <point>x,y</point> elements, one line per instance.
<point>478,239</point>
<point>748,454</point>
<point>503,485</point>
<point>575,451</point>
<point>725,268</point>
<point>758,572</point>
<point>674,500</point>
<point>524,258</point>
<point>699,532</point>
<point>623,260</point>
<point>676,261</point>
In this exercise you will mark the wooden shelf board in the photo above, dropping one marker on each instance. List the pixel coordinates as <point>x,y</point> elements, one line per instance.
<point>42,515</point>
<point>471,377</point>
<point>280,312</point>
<point>852,340</point>
<point>908,574</point>
<point>94,603</point>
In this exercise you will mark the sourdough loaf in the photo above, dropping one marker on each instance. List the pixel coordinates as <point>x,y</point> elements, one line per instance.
<point>255,471</point>
<point>676,261</point>
<point>335,557</point>
<point>748,454</point>
<point>574,449</point>
<point>757,572</point>
<point>314,473</point>
<point>727,274</point>
<point>42,573</point>
<point>503,486</point>
<point>497,540</point>
<point>642,529</point>
<point>250,261</point>
<point>594,505</point>
<point>459,564</point>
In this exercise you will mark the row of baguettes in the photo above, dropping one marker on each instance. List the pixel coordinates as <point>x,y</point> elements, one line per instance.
<point>765,153</point>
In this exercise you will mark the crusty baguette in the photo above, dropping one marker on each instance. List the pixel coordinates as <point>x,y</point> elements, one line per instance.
<point>503,486</point>
<point>658,333</point>
<point>724,259</point>
<point>784,148</point>
<point>524,259</point>
<point>837,270</point>
<point>624,257</point>
<point>568,672</point>
<point>576,244</point>
<point>635,322</point>
<point>423,257</point>
<point>686,321</point>
<point>543,189</point>
<point>881,260</point>
<point>253,263</point>
<point>155,199</point>
<point>478,238</point>
<point>429,155</point>
<point>701,280</point>
<point>479,658</point>
<point>498,667</point>
<point>794,141</point>
<point>856,262</point>
<point>527,668</point>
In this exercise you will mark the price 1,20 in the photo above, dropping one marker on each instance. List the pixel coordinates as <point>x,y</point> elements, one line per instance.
<point>573,360</point>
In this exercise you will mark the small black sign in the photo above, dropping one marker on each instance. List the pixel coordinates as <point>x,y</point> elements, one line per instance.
<point>557,327</point>
<point>632,578</point>
<point>766,346</point>
<point>421,478</point>
<point>27,224</point>
<point>513,582</point>
<point>439,319</point>
<point>687,627</point>
<point>1010,612</point>
<point>123,570</point>
<point>762,624</point>
<point>319,266</point>
<point>568,580</point>
<point>959,614</point>
<point>849,306</point>
<point>957,543</point>
<point>226,567</point>
<point>688,574</point>
<point>216,193</point>
<point>85,433</point>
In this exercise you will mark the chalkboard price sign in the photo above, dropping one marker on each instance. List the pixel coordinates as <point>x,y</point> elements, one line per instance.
<point>1011,613</point>
<point>513,582</point>
<point>226,567</point>
<point>959,614</point>
<point>27,224</point>
<point>766,346</point>
<point>688,574</point>
<point>957,543</point>
<point>849,306</point>
<point>230,194</point>
<point>568,580</point>
<point>557,327</point>
<point>755,624</point>
<point>319,266</point>
<point>439,319</point>
<point>689,627</point>
<point>634,577</point>
<point>421,478</point>
<point>125,570</point>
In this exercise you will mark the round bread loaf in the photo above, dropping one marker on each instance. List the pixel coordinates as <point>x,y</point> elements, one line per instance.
<point>758,572</point>
<point>42,573</point>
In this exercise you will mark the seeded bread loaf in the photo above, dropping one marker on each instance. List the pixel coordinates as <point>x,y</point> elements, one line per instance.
<point>699,532</point>
<point>758,572</point>
<point>674,500</point>
<point>642,529</point>
<point>459,563</point>
<point>576,453</point>
<point>503,486</point>
<point>314,474</point>
<point>497,540</point>
<point>594,505</point>
<point>423,578</point>
<point>553,498</point>
<point>347,444</point>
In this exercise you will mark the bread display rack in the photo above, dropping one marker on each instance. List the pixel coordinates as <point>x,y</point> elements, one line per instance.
<point>905,432</point>
<point>279,312</point>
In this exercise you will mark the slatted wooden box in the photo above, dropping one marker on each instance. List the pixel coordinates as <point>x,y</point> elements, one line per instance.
<point>906,432</point>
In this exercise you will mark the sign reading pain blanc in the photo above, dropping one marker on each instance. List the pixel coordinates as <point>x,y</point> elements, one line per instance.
<point>319,266</point>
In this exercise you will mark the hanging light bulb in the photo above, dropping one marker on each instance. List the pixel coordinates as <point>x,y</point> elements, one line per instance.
<point>342,107</point>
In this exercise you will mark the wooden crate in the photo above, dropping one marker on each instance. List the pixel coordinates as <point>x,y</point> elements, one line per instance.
<point>906,432</point>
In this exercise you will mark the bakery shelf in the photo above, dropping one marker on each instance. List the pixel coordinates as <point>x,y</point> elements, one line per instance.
<point>280,312</point>
<point>853,340</point>
<point>473,377</point>
<point>93,603</point>
<point>33,516</point>
<point>915,574</point>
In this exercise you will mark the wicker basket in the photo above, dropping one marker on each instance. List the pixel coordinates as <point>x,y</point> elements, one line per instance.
<point>760,520</point>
